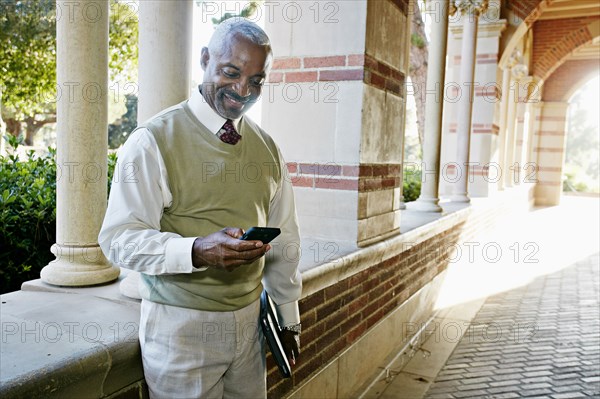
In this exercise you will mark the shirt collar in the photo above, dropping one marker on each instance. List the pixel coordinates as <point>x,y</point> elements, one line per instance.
<point>206,114</point>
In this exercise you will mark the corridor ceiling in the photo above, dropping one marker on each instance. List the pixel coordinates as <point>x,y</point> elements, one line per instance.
<point>563,9</point>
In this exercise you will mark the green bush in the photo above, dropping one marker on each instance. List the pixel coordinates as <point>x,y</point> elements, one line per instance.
<point>119,130</point>
<point>411,186</point>
<point>577,180</point>
<point>28,214</point>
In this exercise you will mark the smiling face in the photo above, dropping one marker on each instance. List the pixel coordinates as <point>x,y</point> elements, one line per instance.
<point>234,75</point>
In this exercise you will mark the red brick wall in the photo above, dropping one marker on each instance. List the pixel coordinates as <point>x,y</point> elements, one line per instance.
<point>334,176</point>
<point>567,77</point>
<point>317,69</point>
<point>553,40</point>
<point>522,8</point>
<point>342,67</point>
<point>374,177</point>
<point>338,68</point>
<point>335,317</point>
<point>383,76</point>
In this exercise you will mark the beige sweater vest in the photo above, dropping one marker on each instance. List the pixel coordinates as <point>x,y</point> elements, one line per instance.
<point>214,185</point>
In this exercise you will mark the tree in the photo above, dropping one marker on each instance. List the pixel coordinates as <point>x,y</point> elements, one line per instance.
<point>27,63</point>
<point>419,53</point>
<point>123,42</point>
<point>582,160</point>
<point>119,130</point>
<point>246,12</point>
<point>28,60</point>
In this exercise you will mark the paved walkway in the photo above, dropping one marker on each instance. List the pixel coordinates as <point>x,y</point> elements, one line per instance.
<point>541,340</point>
<point>518,319</point>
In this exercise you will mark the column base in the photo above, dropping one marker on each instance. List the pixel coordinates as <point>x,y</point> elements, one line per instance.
<point>425,205</point>
<point>78,267</point>
<point>462,198</point>
<point>130,286</point>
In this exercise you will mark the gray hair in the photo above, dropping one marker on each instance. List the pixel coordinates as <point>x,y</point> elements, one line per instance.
<point>237,26</point>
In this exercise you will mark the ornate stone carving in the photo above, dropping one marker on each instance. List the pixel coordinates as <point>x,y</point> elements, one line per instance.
<point>469,7</point>
<point>519,71</point>
<point>515,58</point>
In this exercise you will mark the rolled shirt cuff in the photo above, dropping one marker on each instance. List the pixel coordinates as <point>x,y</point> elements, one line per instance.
<point>178,256</point>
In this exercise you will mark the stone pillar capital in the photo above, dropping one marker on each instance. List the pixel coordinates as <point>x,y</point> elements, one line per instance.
<point>485,29</point>
<point>469,7</point>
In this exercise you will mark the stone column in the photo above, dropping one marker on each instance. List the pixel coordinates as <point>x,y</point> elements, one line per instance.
<point>82,137</point>
<point>518,72</point>
<point>465,106</point>
<point>523,132</point>
<point>165,40</point>
<point>550,151</point>
<point>429,197</point>
<point>509,150</point>
<point>484,172</point>
<point>345,158</point>
<point>529,169</point>
<point>165,62</point>
<point>534,110</point>
<point>503,122</point>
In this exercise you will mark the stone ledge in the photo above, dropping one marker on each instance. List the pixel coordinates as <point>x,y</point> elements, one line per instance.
<point>67,345</point>
<point>422,227</point>
<point>108,291</point>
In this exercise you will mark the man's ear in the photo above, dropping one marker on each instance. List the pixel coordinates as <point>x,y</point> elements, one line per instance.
<point>204,57</point>
<point>268,63</point>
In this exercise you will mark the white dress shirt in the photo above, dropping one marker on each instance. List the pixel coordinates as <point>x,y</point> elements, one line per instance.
<point>141,178</point>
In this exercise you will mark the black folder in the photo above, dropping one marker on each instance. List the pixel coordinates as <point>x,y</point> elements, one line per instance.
<point>272,332</point>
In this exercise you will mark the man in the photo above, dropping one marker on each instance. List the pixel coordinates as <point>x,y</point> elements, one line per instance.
<point>193,178</point>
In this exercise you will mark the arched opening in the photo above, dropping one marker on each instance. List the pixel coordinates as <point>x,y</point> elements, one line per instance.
<point>581,168</point>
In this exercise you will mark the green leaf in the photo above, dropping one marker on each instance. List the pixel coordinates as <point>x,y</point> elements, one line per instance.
<point>28,32</point>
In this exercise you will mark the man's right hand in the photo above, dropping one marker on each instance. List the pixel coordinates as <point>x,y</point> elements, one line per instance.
<point>224,250</point>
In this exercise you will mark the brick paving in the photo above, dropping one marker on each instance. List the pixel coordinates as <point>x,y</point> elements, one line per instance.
<point>538,341</point>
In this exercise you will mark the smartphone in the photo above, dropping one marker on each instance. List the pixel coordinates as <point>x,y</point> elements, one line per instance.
<point>264,234</point>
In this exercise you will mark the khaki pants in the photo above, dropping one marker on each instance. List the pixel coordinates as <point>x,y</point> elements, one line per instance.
<point>190,353</point>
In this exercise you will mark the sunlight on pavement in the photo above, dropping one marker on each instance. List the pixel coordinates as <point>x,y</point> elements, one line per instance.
<point>522,248</point>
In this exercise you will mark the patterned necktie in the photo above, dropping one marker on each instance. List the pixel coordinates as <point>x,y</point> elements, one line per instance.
<point>227,134</point>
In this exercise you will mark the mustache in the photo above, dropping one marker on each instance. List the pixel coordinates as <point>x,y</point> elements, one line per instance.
<point>237,97</point>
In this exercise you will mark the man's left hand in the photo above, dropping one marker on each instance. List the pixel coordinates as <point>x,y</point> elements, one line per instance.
<point>291,345</point>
